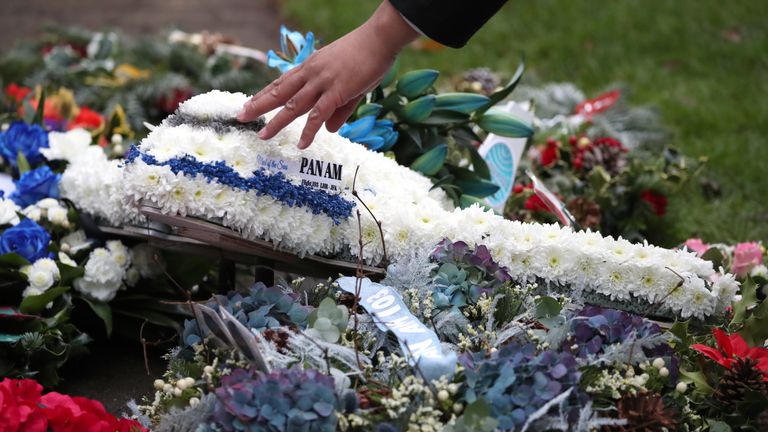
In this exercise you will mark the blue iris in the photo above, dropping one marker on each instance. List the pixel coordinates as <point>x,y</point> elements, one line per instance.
<point>377,135</point>
<point>295,48</point>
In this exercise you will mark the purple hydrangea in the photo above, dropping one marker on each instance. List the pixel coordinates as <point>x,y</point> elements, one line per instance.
<point>283,400</point>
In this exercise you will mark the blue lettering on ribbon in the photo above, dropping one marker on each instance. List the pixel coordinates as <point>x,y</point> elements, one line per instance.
<point>419,344</point>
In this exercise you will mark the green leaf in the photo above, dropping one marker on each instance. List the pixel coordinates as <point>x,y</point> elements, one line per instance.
<point>680,330</point>
<point>22,163</point>
<point>503,93</point>
<point>505,124</point>
<point>460,102</point>
<point>747,302</point>
<point>103,311</point>
<point>699,380</point>
<point>480,188</point>
<point>38,119</point>
<point>599,179</point>
<point>476,417</point>
<point>442,117</point>
<point>716,256</point>
<point>478,164</point>
<point>467,201</point>
<point>13,260</point>
<point>419,109</point>
<point>547,308</point>
<point>718,426</point>
<point>415,83</point>
<point>34,304</point>
<point>391,74</point>
<point>369,109</point>
<point>430,162</point>
<point>69,273</point>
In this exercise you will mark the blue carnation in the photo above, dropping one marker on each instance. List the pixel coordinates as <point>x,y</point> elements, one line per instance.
<point>295,49</point>
<point>27,239</point>
<point>377,135</point>
<point>36,185</point>
<point>25,139</point>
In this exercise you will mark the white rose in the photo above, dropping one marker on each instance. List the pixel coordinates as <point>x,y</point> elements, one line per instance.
<point>33,212</point>
<point>48,203</point>
<point>8,213</point>
<point>68,145</point>
<point>58,216</point>
<point>49,265</point>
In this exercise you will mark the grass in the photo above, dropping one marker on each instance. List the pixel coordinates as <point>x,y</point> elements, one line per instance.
<point>703,63</point>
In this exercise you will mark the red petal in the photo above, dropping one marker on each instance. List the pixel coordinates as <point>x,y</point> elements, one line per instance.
<point>724,342</point>
<point>740,346</point>
<point>711,353</point>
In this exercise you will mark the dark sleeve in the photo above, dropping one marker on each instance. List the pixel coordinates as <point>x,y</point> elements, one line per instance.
<point>450,22</point>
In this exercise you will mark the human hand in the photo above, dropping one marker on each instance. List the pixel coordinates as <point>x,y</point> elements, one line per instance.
<point>332,80</point>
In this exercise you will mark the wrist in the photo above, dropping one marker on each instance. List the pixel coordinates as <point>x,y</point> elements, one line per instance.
<point>389,29</point>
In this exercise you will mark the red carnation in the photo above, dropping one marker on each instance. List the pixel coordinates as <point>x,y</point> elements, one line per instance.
<point>550,154</point>
<point>733,347</point>
<point>16,92</point>
<point>658,202</point>
<point>86,118</point>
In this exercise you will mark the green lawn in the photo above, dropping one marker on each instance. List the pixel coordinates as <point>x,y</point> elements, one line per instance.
<point>704,64</point>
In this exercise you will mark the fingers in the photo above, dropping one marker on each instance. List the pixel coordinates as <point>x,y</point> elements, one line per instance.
<point>296,106</point>
<point>272,96</point>
<point>319,114</point>
<point>341,114</point>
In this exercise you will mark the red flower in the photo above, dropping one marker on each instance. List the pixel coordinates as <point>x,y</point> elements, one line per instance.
<point>550,154</point>
<point>169,102</point>
<point>86,118</point>
<point>17,93</point>
<point>658,202</point>
<point>732,347</point>
<point>23,408</point>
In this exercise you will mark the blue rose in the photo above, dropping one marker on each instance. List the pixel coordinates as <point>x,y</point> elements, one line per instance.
<point>27,239</point>
<point>35,185</point>
<point>24,138</point>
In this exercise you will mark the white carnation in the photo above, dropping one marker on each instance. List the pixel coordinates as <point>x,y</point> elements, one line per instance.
<point>103,276</point>
<point>41,275</point>
<point>58,216</point>
<point>68,145</point>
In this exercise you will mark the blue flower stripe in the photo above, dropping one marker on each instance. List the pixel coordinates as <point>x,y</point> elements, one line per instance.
<point>274,185</point>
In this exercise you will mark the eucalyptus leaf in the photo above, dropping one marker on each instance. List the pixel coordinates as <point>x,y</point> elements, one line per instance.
<point>547,307</point>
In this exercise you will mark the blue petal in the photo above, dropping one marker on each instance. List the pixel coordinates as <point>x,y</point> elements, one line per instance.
<point>273,60</point>
<point>307,49</point>
<point>283,35</point>
<point>358,128</point>
<point>371,141</point>
<point>389,141</point>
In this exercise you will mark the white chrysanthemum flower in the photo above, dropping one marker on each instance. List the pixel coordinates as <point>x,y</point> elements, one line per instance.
<point>8,212</point>
<point>214,105</point>
<point>68,145</point>
<point>103,276</point>
<point>41,275</point>
<point>120,253</point>
<point>58,216</point>
<point>413,215</point>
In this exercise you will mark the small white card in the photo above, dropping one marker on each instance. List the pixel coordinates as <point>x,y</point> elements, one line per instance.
<point>313,173</point>
<point>503,155</point>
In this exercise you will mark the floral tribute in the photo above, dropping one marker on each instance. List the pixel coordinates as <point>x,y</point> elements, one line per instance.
<point>24,407</point>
